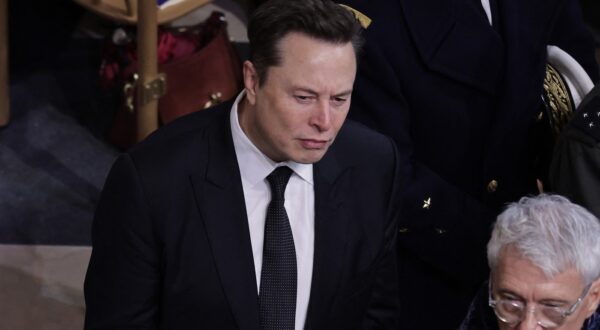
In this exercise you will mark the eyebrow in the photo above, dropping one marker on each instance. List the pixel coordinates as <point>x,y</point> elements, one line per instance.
<point>554,301</point>
<point>344,93</point>
<point>305,90</point>
<point>312,92</point>
<point>506,292</point>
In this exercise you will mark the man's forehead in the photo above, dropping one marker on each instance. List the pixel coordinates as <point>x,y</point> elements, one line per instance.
<point>519,275</point>
<point>293,36</point>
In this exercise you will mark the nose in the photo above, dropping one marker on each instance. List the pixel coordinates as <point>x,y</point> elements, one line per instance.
<point>529,321</point>
<point>321,116</point>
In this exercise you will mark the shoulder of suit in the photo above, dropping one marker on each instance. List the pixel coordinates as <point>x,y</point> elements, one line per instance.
<point>186,128</point>
<point>587,118</point>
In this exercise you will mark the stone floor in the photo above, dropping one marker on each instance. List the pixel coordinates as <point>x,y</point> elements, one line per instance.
<point>41,286</point>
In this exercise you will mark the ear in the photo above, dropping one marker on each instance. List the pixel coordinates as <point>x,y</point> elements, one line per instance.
<point>250,81</point>
<point>593,298</point>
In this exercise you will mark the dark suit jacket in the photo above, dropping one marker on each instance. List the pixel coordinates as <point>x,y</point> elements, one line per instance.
<point>575,167</point>
<point>459,98</point>
<point>171,244</point>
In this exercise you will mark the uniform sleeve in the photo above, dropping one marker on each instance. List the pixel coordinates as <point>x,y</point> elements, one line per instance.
<point>122,281</point>
<point>452,218</point>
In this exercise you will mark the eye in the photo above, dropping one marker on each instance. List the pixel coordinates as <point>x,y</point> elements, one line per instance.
<point>510,299</point>
<point>553,305</point>
<point>338,101</point>
<point>513,301</point>
<point>303,98</point>
<point>553,312</point>
<point>508,306</point>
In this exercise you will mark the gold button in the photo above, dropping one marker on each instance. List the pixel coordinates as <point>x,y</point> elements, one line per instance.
<point>492,186</point>
<point>403,230</point>
<point>440,231</point>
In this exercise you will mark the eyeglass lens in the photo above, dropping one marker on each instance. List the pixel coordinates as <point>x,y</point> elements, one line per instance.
<point>513,312</point>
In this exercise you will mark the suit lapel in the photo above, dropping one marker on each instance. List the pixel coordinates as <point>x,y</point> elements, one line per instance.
<point>454,38</point>
<point>220,198</point>
<point>331,187</point>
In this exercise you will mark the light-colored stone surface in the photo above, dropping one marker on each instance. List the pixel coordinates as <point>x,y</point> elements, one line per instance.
<point>41,287</point>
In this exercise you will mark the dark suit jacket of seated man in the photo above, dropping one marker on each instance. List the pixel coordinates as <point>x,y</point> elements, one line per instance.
<point>176,243</point>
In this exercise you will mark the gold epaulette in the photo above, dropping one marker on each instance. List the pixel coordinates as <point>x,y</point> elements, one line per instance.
<point>364,20</point>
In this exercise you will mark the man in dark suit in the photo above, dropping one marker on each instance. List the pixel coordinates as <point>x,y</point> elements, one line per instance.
<point>194,231</point>
<point>458,84</point>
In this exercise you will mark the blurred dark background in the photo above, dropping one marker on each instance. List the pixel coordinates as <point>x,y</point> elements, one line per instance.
<point>53,157</point>
<point>591,14</point>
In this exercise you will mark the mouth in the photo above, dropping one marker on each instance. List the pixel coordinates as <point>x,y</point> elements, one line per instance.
<point>314,144</point>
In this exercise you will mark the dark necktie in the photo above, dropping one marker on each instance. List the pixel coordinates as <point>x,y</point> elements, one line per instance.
<point>277,298</point>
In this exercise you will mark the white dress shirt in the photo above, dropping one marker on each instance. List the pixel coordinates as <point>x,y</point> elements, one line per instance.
<point>487,9</point>
<point>299,204</point>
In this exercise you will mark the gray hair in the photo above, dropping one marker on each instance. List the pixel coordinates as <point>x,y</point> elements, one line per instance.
<point>551,232</point>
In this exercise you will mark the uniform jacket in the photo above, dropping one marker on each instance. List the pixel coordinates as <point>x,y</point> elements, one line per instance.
<point>171,244</point>
<point>459,97</point>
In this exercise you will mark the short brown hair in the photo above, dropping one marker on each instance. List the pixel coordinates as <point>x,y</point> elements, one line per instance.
<point>320,19</point>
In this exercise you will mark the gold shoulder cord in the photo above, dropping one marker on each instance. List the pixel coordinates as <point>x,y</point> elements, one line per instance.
<point>364,20</point>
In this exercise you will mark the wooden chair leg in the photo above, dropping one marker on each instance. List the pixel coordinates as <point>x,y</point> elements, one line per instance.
<point>147,27</point>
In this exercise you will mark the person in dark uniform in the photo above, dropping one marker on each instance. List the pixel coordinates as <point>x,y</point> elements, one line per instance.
<point>457,84</point>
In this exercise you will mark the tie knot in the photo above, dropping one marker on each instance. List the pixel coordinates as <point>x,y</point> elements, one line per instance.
<point>278,180</point>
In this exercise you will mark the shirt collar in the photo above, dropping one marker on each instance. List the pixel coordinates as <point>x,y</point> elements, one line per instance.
<point>254,165</point>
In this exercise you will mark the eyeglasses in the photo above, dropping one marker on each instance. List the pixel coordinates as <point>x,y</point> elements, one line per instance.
<point>512,311</point>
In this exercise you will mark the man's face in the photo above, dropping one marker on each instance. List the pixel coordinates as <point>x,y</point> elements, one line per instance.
<point>517,278</point>
<point>296,113</point>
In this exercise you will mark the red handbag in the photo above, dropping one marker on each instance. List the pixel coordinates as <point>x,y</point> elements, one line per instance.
<point>201,66</point>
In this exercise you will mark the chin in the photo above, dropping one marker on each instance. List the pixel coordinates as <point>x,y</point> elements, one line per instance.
<point>309,158</point>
